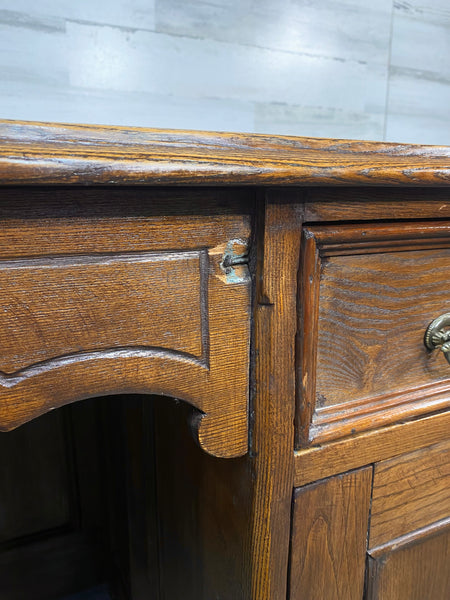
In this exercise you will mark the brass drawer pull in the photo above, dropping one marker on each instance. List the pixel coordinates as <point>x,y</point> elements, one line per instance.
<point>437,335</point>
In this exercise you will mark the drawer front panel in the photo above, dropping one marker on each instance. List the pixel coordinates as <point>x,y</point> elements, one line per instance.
<point>373,312</point>
<point>54,308</point>
<point>122,295</point>
<point>369,294</point>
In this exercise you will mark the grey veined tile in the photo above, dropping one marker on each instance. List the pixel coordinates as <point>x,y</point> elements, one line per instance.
<point>418,108</point>
<point>125,13</point>
<point>421,38</point>
<point>431,11</point>
<point>284,119</point>
<point>351,29</point>
<point>64,104</point>
<point>33,55</point>
<point>140,61</point>
<point>26,20</point>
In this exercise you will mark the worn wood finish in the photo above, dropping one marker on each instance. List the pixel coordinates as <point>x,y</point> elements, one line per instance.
<point>274,393</point>
<point>372,204</point>
<point>410,492</point>
<point>367,297</point>
<point>356,451</point>
<point>131,261</point>
<point>329,531</point>
<point>415,567</point>
<point>60,345</point>
<point>62,293</point>
<point>40,153</point>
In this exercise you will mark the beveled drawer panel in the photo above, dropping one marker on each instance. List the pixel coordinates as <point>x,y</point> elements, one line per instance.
<point>133,301</point>
<point>368,294</point>
<point>54,308</point>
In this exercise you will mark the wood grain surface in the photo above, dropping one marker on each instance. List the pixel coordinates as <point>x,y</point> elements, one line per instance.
<point>104,304</point>
<point>272,442</point>
<point>356,451</point>
<point>66,297</point>
<point>329,531</point>
<point>410,492</point>
<point>368,295</point>
<point>372,203</point>
<point>416,567</point>
<point>42,153</point>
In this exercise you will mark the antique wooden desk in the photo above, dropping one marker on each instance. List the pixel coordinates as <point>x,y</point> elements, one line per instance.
<point>281,289</point>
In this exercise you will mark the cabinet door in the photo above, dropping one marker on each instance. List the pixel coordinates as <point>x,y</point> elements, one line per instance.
<point>409,541</point>
<point>329,537</point>
<point>415,568</point>
<point>404,544</point>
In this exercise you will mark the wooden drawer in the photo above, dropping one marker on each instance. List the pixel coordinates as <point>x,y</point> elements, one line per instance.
<point>367,295</point>
<point>136,300</point>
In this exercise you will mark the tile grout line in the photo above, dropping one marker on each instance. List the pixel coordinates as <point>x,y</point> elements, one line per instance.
<point>388,82</point>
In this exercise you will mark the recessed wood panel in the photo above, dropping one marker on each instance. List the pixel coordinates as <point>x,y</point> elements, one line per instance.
<point>368,295</point>
<point>410,492</point>
<point>414,568</point>
<point>374,309</point>
<point>52,309</point>
<point>96,302</point>
<point>329,532</point>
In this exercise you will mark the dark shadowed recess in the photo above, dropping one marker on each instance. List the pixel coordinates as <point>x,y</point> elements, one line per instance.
<point>106,499</point>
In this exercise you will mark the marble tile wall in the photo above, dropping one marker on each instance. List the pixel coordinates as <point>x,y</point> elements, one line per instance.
<point>349,69</point>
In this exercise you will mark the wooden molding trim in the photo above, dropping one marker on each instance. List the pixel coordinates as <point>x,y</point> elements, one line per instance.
<point>404,541</point>
<point>43,153</point>
<point>338,421</point>
<point>325,460</point>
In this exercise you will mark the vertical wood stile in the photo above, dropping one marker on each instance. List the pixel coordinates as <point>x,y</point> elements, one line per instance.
<point>272,443</point>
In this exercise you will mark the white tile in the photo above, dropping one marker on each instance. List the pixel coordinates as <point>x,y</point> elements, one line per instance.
<point>419,107</point>
<point>108,58</point>
<point>429,11</point>
<point>27,20</point>
<point>352,29</point>
<point>37,55</point>
<point>421,44</point>
<point>32,101</point>
<point>418,93</point>
<point>126,13</point>
<point>284,119</point>
<point>412,130</point>
<point>306,67</point>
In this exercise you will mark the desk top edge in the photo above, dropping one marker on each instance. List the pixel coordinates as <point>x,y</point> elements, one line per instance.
<point>49,153</point>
